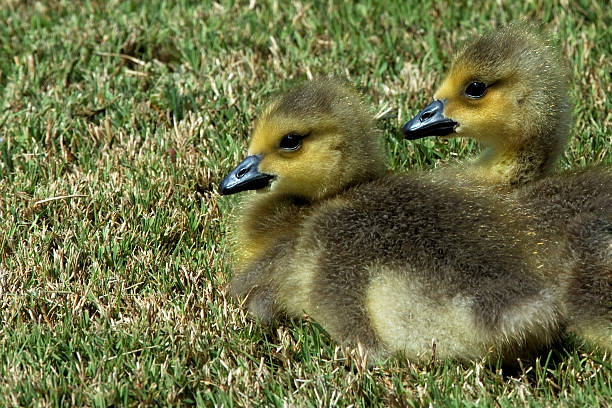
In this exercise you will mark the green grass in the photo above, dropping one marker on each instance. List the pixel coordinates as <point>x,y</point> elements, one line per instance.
<point>114,295</point>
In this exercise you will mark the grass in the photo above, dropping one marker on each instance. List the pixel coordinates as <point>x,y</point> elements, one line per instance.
<point>117,121</point>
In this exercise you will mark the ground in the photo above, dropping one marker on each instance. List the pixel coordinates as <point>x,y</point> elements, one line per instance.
<point>117,121</point>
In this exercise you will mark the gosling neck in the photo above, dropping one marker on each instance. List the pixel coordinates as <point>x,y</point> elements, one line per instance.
<point>519,164</point>
<point>264,219</point>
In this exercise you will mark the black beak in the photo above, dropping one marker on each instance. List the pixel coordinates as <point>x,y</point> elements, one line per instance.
<point>429,122</point>
<point>245,176</point>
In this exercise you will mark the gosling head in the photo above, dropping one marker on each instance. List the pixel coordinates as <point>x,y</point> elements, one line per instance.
<point>312,142</point>
<point>508,89</point>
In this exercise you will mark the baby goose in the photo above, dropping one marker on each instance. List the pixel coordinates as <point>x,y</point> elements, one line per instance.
<point>509,91</point>
<point>393,262</point>
<point>325,112</point>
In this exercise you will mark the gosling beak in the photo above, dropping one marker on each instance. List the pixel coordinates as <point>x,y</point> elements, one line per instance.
<point>245,176</point>
<point>429,122</point>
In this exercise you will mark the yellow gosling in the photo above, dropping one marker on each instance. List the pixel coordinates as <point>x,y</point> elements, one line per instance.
<point>392,262</point>
<point>508,90</point>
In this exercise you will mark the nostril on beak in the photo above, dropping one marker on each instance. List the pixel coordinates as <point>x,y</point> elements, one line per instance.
<point>242,172</point>
<point>426,115</point>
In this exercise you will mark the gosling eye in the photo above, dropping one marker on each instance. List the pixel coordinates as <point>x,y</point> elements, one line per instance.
<point>291,142</point>
<point>475,90</point>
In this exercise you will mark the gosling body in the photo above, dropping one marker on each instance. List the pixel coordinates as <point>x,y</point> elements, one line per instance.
<point>577,206</point>
<point>508,90</point>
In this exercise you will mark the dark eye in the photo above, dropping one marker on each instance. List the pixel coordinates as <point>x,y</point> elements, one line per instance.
<point>291,141</point>
<point>475,90</point>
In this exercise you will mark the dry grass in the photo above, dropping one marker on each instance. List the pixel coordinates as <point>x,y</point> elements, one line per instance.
<point>118,119</point>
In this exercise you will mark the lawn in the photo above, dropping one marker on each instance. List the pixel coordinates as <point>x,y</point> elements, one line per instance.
<point>117,121</point>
